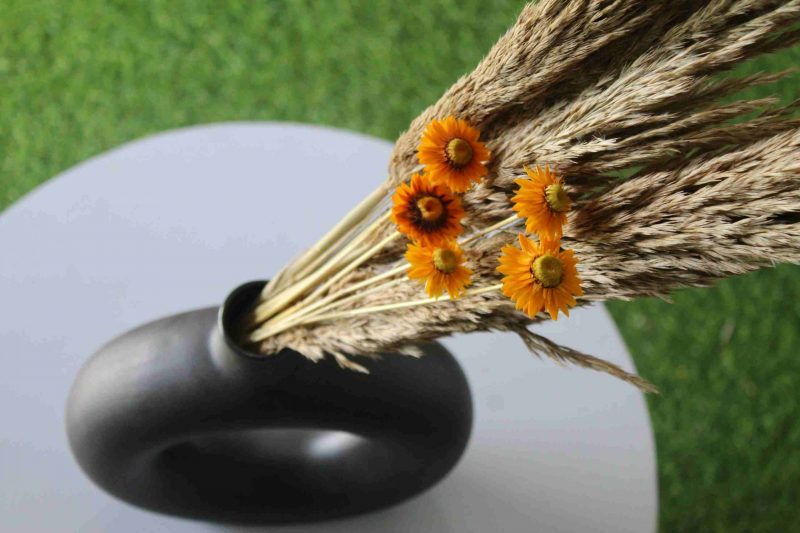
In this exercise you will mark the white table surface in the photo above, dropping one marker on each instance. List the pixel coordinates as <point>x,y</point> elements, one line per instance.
<point>173,222</point>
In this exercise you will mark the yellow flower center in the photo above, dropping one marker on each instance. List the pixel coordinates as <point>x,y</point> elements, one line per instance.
<point>548,270</point>
<point>430,208</point>
<point>459,152</point>
<point>445,260</point>
<point>557,198</point>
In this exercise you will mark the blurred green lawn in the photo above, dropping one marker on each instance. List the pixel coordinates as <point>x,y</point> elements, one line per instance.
<point>80,77</point>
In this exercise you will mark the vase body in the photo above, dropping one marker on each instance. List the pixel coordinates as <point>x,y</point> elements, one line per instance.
<point>175,417</point>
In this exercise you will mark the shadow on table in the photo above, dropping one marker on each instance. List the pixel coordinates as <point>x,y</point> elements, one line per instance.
<point>447,509</point>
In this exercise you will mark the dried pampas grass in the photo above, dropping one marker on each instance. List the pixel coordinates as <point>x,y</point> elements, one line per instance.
<point>673,184</point>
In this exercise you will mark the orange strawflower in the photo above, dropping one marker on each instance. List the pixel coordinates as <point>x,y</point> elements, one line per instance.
<point>427,213</point>
<point>542,199</point>
<point>452,154</point>
<point>540,277</point>
<point>439,267</point>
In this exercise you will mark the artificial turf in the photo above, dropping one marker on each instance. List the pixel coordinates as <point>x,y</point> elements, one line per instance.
<point>80,77</point>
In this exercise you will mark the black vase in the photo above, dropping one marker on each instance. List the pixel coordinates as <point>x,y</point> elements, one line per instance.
<point>175,417</point>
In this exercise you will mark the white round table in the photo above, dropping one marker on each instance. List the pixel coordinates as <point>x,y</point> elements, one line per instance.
<point>174,222</point>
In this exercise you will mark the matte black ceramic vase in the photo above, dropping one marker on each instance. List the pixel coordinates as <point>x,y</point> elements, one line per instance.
<point>175,417</point>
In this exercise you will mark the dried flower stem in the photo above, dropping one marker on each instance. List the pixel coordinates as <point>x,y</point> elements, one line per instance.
<point>358,261</point>
<point>330,239</point>
<point>348,290</point>
<point>348,253</point>
<point>351,241</point>
<point>304,306</point>
<point>403,305</point>
<point>274,327</point>
<point>270,307</point>
<point>510,221</point>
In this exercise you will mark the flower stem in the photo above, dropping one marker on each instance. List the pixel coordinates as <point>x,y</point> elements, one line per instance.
<point>359,213</point>
<point>305,308</point>
<point>356,239</point>
<point>273,327</point>
<point>275,304</point>
<point>401,305</point>
<point>500,225</point>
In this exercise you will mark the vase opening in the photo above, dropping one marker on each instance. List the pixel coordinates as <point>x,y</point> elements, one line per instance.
<point>232,314</point>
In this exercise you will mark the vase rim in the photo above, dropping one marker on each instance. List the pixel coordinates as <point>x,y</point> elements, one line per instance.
<point>236,304</point>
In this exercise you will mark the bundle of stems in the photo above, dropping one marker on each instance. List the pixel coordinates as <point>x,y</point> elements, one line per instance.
<point>673,181</point>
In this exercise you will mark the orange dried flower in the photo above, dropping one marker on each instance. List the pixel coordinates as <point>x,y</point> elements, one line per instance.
<point>427,213</point>
<point>439,267</point>
<point>540,277</point>
<point>543,200</point>
<point>452,154</point>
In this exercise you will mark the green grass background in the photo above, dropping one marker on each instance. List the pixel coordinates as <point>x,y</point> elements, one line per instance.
<point>80,77</point>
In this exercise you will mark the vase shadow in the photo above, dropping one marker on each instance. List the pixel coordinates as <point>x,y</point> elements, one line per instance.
<point>400,518</point>
<point>468,498</point>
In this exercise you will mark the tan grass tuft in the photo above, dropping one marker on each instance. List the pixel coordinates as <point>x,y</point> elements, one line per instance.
<point>675,183</point>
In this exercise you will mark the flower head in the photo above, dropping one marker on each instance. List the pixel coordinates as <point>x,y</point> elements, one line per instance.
<point>439,267</point>
<point>540,277</point>
<point>452,154</point>
<point>427,213</point>
<point>542,199</point>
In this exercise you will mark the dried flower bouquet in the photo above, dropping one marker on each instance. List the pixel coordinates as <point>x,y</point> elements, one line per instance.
<point>594,154</point>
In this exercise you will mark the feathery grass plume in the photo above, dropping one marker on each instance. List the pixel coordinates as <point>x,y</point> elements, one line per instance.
<point>671,184</point>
